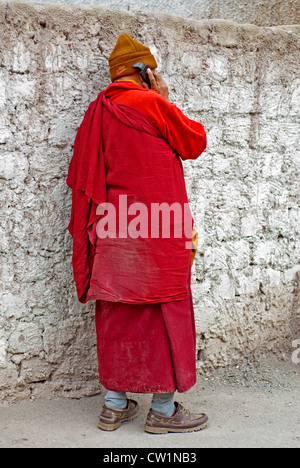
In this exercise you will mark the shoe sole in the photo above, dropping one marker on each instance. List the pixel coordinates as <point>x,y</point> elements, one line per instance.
<point>165,430</point>
<point>113,427</point>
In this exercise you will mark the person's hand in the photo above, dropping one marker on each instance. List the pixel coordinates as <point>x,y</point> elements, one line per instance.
<point>157,83</point>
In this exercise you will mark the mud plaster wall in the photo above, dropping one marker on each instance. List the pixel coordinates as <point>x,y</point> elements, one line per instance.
<point>258,12</point>
<point>242,83</point>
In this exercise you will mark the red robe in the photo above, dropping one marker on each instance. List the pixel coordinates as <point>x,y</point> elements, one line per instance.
<point>130,143</point>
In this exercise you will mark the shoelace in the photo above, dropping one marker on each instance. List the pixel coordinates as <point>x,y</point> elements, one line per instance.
<point>184,411</point>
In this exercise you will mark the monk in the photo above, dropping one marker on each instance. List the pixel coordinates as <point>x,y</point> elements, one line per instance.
<point>132,231</point>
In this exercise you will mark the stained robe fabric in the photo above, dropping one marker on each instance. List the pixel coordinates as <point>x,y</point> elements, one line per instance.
<point>148,348</point>
<point>121,151</point>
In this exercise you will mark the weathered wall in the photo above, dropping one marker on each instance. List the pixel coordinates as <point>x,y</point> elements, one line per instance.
<point>258,12</point>
<point>242,83</point>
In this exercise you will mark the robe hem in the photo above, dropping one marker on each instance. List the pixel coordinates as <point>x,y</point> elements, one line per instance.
<point>117,388</point>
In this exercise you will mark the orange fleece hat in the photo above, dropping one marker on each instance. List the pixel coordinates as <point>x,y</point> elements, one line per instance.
<point>127,51</point>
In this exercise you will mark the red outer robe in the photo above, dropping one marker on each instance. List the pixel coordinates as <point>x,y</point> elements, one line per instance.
<point>130,144</point>
<point>121,151</point>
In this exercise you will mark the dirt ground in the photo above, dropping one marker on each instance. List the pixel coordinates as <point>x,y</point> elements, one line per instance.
<point>253,405</point>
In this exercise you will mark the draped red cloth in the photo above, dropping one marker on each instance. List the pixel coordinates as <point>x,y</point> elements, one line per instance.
<point>131,143</point>
<point>120,151</point>
<point>148,348</point>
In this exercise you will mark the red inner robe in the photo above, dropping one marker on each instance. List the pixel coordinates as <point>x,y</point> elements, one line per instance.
<point>129,144</point>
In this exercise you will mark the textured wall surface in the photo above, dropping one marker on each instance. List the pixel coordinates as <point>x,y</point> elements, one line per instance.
<point>242,83</point>
<point>258,12</point>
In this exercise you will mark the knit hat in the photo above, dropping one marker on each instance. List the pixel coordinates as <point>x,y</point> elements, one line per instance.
<point>127,51</point>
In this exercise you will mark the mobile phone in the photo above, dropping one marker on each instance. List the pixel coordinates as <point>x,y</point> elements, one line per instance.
<point>142,69</point>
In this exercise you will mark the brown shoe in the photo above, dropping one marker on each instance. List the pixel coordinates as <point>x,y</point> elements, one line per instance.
<point>182,421</point>
<point>111,419</point>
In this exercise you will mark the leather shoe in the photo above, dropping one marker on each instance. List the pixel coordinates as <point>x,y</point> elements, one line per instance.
<point>111,419</point>
<point>181,421</point>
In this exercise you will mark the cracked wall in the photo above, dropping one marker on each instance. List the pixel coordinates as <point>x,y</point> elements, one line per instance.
<point>242,83</point>
<point>258,12</point>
